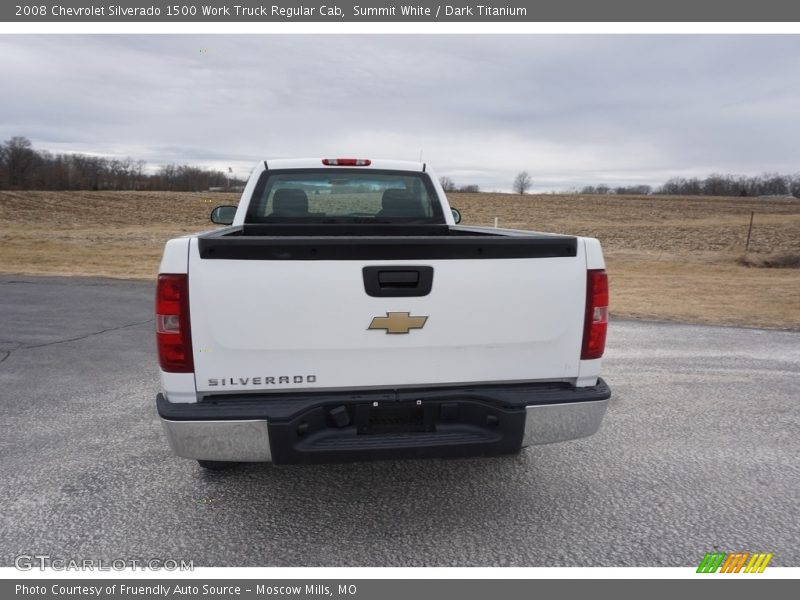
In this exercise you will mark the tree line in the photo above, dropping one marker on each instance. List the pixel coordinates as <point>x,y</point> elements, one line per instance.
<point>448,185</point>
<point>766,184</point>
<point>22,167</point>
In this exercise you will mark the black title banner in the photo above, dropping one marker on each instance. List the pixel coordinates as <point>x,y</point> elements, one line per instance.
<point>242,11</point>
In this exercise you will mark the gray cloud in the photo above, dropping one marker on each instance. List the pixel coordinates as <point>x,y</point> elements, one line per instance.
<point>571,109</point>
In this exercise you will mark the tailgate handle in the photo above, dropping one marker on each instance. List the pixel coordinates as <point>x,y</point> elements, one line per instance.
<point>396,282</point>
<point>398,278</point>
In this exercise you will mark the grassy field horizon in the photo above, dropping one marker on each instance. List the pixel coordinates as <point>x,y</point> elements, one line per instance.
<point>669,257</point>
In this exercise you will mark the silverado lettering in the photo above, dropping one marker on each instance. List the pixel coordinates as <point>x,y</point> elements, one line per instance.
<point>427,337</point>
<point>262,380</point>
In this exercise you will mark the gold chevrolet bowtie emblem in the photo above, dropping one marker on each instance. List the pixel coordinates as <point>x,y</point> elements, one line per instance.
<point>397,322</point>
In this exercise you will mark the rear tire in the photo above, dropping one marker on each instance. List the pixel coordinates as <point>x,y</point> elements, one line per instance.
<point>216,465</point>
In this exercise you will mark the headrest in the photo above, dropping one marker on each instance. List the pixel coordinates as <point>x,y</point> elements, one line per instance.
<point>290,202</point>
<point>400,203</point>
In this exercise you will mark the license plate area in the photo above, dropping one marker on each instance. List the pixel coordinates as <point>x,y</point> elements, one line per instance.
<point>394,418</point>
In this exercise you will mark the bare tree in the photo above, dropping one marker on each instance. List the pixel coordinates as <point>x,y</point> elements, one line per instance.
<point>794,185</point>
<point>19,158</point>
<point>522,182</point>
<point>448,185</point>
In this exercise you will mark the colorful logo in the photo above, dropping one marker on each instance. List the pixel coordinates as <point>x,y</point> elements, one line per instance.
<point>734,562</point>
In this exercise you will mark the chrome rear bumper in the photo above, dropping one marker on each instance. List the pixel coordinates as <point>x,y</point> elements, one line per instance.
<point>235,441</point>
<point>549,423</point>
<point>249,440</point>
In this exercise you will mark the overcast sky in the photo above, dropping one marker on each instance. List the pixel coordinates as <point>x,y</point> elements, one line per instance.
<point>569,109</point>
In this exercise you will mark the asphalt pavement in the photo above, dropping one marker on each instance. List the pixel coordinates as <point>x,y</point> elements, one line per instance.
<point>698,452</point>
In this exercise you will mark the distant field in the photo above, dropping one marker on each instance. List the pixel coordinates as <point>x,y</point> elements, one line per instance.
<point>668,257</point>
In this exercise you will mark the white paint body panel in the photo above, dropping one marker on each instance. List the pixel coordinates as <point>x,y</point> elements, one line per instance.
<point>590,369</point>
<point>176,256</point>
<point>489,321</point>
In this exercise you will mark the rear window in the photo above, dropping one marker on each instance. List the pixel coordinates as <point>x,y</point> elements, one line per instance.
<point>344,196</point>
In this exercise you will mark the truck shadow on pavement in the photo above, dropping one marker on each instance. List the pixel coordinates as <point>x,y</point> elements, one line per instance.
<point>370,513</point>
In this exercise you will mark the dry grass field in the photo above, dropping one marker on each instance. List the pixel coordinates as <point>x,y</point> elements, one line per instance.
<point>676,258</point>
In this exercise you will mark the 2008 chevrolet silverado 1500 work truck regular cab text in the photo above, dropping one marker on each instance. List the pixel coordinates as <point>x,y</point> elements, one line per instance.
<point>344,315</point>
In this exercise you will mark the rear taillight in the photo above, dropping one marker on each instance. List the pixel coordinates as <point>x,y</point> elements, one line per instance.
<point>346,162</point>
<point>173,334</point>
<point>596,320</point>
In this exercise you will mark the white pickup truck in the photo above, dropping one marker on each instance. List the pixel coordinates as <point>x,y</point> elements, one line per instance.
<point>343,314</point>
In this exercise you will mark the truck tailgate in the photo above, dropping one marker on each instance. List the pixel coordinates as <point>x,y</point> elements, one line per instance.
<point>260,325</point>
